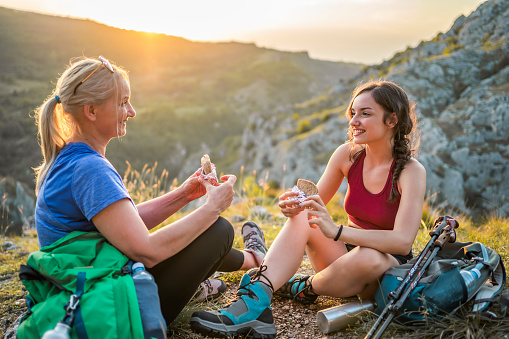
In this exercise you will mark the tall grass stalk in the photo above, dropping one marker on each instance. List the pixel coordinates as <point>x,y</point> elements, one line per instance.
<point>146,184</point>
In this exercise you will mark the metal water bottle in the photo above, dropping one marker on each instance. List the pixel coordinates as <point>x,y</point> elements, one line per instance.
<point>338,317</point>
<point>61,331</point>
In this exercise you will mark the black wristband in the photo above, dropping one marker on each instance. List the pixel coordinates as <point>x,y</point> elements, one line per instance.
<point>339,232</point>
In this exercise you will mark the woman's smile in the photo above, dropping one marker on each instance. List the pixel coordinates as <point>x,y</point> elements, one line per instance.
<point>358,131</point>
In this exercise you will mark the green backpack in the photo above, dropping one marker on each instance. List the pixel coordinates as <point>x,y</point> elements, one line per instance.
<point>85,265</point>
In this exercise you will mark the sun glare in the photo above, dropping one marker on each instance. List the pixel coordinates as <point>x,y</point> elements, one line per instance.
<point>197,20</point>
<point>327,29</point>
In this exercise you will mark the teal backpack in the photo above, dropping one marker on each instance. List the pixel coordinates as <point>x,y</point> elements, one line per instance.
<point>87,282</point>
<point>445,286</point>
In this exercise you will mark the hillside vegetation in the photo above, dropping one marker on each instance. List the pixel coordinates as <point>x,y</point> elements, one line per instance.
<point>188,95</point>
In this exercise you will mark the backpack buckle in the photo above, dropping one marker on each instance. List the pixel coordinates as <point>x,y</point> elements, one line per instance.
<point>73,302</point>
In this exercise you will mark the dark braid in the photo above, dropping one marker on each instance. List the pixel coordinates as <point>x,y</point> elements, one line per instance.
<point>402,153</point>
<point>392,99</point>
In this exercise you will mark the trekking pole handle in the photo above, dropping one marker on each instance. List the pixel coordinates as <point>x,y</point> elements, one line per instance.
<point>441,223</point>
<point>448,235</point>
<point>442,239</point>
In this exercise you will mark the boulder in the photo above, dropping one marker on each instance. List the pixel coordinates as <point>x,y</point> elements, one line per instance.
<point>17,205</point>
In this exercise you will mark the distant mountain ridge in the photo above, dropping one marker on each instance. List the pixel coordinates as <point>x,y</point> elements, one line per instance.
<point>181,89</point>
<point>460,81</point>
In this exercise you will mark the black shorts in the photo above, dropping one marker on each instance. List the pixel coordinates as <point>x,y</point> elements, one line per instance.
<point>402,259</point>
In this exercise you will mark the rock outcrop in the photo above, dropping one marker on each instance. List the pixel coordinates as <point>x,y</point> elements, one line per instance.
<point>459,81</point>
<point>17,206</point>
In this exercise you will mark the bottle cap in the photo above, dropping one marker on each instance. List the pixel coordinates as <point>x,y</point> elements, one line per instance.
<point>138,265</point>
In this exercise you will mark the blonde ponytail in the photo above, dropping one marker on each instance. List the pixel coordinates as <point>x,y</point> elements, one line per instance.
<point>52,136</point>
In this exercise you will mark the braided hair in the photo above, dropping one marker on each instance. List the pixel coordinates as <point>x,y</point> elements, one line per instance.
<point>392,98</point>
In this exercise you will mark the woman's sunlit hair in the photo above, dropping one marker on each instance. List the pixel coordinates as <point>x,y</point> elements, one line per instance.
<point>56,116</point>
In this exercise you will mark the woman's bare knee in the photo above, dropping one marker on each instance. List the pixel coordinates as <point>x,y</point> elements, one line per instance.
<point>371,263</point>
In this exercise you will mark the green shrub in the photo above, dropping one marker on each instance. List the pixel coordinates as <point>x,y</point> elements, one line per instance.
<point>304,126</point>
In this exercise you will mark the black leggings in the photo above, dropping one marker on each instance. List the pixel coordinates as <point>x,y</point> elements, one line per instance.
<point>179,276</point>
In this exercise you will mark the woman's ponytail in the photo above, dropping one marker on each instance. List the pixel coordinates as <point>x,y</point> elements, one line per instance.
<point>51,125</point>
<point>402,153</point>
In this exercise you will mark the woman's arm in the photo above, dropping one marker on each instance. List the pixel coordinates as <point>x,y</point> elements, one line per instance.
<point>334,173</point>
<point>412,184</point>
<point>155,211</point>
<point>121,224</point>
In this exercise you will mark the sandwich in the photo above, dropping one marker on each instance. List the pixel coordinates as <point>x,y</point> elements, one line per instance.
<point>304,189</point>
<point>308,187</point>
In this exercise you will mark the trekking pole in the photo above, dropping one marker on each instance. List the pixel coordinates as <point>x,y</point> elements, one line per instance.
<point>439,225</point>
<point>443,231</point>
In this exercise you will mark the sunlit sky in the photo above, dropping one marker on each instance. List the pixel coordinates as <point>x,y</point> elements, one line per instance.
<point>366,31</point>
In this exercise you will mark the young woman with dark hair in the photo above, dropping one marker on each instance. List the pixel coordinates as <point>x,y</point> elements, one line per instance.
<point>384,204</point>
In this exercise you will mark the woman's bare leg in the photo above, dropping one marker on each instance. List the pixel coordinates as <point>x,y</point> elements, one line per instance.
<point>285,255</point>
<point>355,273</point>
<point>340,273</point>
<point>249,261</point>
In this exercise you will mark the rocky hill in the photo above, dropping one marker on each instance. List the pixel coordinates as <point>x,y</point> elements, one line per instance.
<point>459,81</point>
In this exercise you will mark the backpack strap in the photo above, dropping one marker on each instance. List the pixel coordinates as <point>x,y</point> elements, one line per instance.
<point>490,290</point>
<point>503,300</point>
<point>79,324</point>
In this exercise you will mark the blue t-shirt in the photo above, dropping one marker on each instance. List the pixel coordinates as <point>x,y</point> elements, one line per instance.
<point>79,185</point>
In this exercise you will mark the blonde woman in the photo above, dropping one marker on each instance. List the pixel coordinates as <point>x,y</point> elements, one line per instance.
<point>79,190</point>
<point>384,203</point>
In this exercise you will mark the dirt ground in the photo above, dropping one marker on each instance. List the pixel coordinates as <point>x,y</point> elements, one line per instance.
<point>295,320</point>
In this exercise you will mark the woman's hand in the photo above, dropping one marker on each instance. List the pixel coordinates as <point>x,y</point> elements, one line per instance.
<point>318,215</point>
<point>220,197</point>
<point>289,207</point>
<point>192,188</point>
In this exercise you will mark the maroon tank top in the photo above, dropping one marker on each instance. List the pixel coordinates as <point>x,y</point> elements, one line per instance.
<point>365,209</point>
